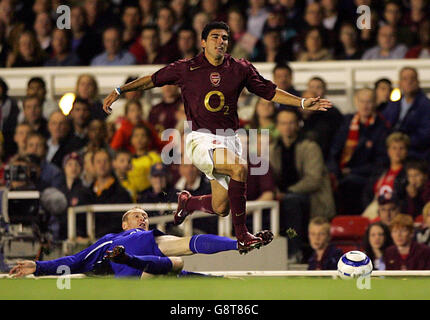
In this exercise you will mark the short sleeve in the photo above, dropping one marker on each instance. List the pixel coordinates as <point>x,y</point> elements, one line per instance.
<point>258,85</point>
<point>170,74</point>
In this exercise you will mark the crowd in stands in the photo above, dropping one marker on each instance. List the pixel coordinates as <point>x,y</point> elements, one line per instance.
<point>129,32</point>
<point>373,162</point>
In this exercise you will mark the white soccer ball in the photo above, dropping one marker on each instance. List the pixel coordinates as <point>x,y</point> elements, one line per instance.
<point>354,264</point>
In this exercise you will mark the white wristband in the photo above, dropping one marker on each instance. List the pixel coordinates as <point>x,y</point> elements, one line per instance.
<point>301,103</point>
<point>118,91</point>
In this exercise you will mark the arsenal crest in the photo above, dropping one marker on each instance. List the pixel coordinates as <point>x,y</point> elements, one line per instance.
<point>215,78</point>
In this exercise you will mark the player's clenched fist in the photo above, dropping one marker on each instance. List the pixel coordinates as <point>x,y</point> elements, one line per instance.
<point>107,102</point>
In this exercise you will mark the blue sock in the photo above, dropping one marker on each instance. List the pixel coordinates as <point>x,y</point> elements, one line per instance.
<point>185,273</point>
<point>209,244</point>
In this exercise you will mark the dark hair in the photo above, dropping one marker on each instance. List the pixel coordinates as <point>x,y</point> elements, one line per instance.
<point>420,165</point>
<point>366,243</point>
<point>214,25</point>
<point>121,151</point>
<point>288,109</point>
<point>104,151</point>
<point>150,27</point>
<point>142,126</point>
<point>40,102</point>
<point>320,80</point>
<point>282,65</point>
<point>383,80</point>
<point>82,101</point>
<point>38,80</point>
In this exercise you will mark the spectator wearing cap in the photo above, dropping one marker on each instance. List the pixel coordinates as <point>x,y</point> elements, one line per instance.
<point>160,191</point>
<point>325,256</point>
<point>415,193</point>
<point>406,254</point>
<point>411,114</point>
<point>74,190</point>
<point>388,209</point>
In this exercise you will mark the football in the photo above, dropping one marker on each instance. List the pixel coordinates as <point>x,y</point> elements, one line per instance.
<point>354,264</point>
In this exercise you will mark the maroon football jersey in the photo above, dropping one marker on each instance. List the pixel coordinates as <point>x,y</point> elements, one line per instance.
<point>210,93</point>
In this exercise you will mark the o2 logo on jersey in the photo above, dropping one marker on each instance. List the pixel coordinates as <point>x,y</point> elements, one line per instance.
<point>221,101</point>
<point>215,78</point>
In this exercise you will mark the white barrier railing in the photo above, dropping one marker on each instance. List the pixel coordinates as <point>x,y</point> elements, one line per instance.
<point>281,273</point>
<point>224,223</point>
<point>316,273</point>
<point>345,76</point>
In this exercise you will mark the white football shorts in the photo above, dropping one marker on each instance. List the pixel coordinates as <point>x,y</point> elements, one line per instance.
<point>199,148</point>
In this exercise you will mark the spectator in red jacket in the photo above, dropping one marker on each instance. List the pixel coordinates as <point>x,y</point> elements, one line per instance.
<point>133,117</point>
<point>406,254</point>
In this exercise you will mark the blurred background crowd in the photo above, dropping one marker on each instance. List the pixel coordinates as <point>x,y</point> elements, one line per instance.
<point>371,164</point>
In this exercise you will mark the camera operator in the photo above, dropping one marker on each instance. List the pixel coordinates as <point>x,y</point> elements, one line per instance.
<point>24,174</point>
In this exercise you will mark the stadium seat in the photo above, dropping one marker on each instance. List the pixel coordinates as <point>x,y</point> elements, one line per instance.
<point>347,232</point>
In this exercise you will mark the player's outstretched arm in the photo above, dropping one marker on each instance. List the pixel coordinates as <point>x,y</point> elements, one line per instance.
<point>23,268</point>
<point>143,83</point>
<point>317,103</point>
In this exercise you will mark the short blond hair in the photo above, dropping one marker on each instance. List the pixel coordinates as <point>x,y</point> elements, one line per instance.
<point>398,137</point>
<point>134,209</point>
<point>320,221</point>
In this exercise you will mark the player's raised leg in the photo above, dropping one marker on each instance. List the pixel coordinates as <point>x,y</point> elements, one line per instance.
<point>227,163</point>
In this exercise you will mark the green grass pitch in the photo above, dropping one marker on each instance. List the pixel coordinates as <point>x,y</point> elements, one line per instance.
<point>248,288</point>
